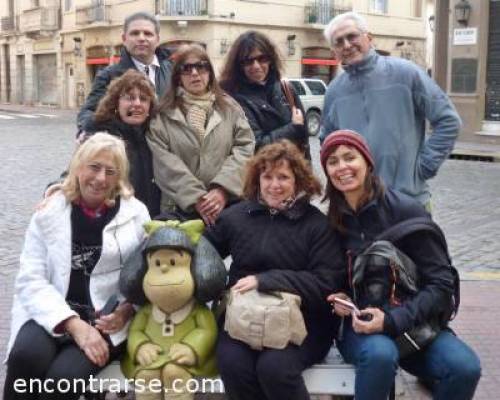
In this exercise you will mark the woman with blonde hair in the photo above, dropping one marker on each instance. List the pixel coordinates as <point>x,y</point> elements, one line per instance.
<point>74,250</point>
<point>278,242</point>
<point>200,141</point>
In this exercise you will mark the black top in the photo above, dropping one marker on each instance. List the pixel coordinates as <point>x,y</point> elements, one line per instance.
<point>86,244</point>
<point>436,282</point>
<point>269,113</point>
<point>294,251</point>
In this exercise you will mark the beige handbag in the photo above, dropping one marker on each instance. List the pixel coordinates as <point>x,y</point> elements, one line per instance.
<point>265,319</point>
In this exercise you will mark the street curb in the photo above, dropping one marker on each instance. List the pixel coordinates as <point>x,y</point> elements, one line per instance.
<point>475,155</point>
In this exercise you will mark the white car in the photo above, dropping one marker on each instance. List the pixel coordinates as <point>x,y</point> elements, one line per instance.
<point>312,96</point>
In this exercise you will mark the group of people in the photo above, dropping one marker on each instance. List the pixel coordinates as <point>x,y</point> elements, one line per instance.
<point>181,142</point>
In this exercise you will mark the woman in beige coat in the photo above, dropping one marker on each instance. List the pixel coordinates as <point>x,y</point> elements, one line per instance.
<point>200,141</point>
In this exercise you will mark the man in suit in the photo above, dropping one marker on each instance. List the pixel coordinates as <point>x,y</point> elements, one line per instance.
<point>141,37</point>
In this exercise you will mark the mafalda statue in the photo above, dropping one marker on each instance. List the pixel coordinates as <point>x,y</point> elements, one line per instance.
<point>172,337</point>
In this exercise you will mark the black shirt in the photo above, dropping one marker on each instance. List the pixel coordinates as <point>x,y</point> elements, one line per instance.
<point>86,245</point>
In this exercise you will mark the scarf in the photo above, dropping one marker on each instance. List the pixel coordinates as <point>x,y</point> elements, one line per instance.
<point>197,108</point>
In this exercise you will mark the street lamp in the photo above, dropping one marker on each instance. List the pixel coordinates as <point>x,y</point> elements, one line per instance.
<point>462,12</point>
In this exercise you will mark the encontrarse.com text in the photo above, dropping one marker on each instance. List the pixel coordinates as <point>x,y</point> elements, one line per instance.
<point>113,385</point>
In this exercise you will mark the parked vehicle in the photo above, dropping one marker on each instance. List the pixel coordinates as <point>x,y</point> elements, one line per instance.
<point>312,95</point>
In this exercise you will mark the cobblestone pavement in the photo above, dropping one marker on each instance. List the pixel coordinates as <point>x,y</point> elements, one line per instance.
<point>466,204</point>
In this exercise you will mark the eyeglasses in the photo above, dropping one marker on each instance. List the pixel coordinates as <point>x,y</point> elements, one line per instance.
<point>132,98</point>
<point>261,59</point>
<point>96,168</point>
<point>200,67</point>
<point>352,38</point>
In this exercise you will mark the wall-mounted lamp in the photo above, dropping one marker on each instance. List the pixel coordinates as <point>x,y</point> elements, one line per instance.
<point>462,12</point>
<point>224,46</point>
<point>432,23</point>
<point>77,48</point>
<point>291,44</point>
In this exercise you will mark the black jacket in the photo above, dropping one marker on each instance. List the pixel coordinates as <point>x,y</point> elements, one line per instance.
<point>435,278</point>
<point>139,156</point>
<point>270,115</point>
<point>106,75</point>
<point>296,252</point>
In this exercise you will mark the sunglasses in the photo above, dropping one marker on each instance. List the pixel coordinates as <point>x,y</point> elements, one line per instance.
<point>262,59</point>
<point>200,67</point>
<point>350,37</point>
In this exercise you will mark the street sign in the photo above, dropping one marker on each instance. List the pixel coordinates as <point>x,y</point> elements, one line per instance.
<point>464,36</point>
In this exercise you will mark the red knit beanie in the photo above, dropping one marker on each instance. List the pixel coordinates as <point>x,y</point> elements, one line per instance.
<point>347,138</point>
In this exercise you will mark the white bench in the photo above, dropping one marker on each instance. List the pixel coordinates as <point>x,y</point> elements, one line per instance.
<point>333,376</point>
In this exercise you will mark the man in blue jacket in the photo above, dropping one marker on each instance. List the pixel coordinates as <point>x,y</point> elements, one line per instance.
<point>388,100</point>
<point>141,37</point>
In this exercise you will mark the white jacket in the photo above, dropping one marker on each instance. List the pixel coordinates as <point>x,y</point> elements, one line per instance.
<point>45,265</point>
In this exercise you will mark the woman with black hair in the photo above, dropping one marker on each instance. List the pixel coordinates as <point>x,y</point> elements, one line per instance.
<point>252,75</point>
<point>360,209</point>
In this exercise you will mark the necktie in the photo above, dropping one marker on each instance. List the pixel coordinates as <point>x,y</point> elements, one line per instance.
<point>146,70</point>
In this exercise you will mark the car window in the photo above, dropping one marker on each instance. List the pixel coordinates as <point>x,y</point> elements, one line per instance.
<point>298,88</point>
<point>317,88</point>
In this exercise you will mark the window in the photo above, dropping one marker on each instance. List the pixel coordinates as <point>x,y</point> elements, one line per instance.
<point>298,88</point>
<point>463,75</point>
<point>68,4</point>
<point>317,88</point>
<point>378,6</point>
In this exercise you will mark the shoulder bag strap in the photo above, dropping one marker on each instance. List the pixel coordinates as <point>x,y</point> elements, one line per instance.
<point>287,91</point>
<point>412,225</point>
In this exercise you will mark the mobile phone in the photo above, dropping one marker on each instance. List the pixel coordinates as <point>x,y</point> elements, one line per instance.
<point>110,305</point>
<point>348,304</point>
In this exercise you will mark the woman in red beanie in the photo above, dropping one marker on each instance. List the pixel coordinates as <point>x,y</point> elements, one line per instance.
<point>360,209</point>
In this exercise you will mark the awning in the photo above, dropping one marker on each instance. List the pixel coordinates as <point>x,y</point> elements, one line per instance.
<point>103,60</point>
<point>318,61</point>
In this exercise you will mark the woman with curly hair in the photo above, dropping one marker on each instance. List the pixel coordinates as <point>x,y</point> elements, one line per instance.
<point>252,75</point>
<point>200,141</point>
<point>278,242</point>
<point>125,111</point>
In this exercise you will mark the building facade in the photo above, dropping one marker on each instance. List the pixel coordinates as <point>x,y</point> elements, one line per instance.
<point>50,50</point>
<point>467,64</point>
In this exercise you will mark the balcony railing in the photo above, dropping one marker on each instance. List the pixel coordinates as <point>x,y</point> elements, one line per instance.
<point>40,19</point>
<point>93,14</point>
<point>7,24</point>
<point>322,11</point>
<point>185,7</point>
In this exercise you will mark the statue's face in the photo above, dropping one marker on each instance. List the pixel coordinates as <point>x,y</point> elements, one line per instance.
<point>168,283</point>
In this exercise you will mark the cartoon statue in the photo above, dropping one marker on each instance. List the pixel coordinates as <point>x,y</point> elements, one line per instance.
<point>172,338</point>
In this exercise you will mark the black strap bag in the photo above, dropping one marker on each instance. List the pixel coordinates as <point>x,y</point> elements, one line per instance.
<point>383,276</point>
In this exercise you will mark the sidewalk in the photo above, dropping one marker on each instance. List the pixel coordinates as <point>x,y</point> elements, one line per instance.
<point>480,151</point>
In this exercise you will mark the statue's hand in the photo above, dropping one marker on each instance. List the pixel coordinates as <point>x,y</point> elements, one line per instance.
<point>182,354</point>
<point>148,354</point>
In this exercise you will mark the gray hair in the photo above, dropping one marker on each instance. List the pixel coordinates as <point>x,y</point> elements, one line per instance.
<point>335,22</point>
<point>141,16</point>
